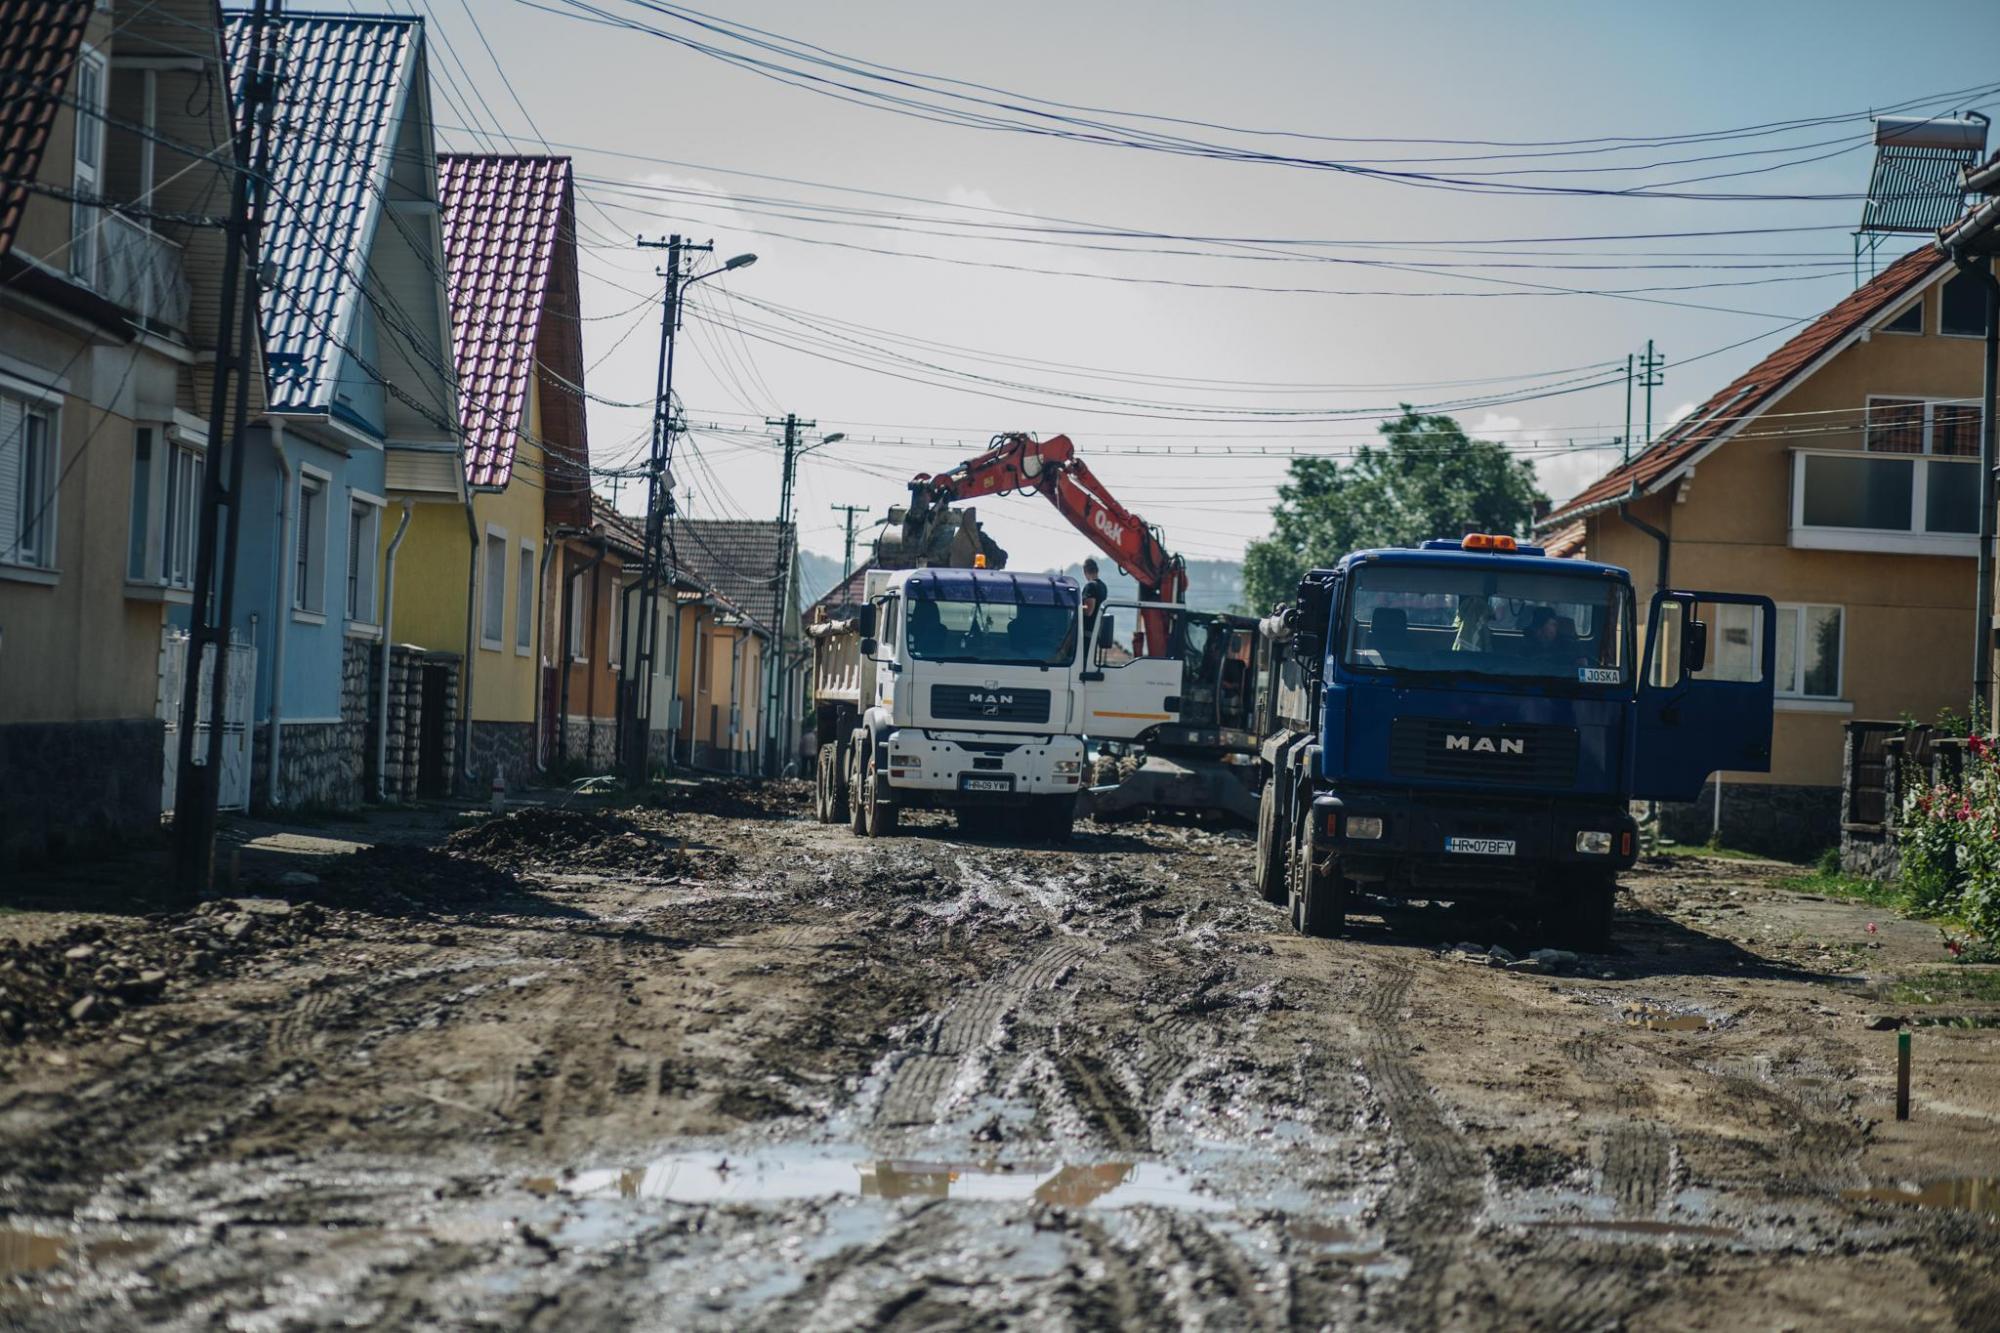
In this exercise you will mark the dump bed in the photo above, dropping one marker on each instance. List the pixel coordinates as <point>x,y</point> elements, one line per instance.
<point>840,673</point>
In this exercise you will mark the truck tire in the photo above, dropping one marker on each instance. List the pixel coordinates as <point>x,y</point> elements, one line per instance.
<point>1272,837</point>
<point>1055,816</point>
<point>833,784</point>
<point>855,808</point>
<point>822,790</point>
<point>1577,910</point>
<point>879,813</point>
<point>1318,898</point>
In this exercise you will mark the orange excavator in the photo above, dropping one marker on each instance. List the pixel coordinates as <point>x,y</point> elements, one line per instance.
<point>1196,760</point>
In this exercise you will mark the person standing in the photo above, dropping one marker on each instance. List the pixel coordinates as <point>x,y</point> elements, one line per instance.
<point>1093,597</point>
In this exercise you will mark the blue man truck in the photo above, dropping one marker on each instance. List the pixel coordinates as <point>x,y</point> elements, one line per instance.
<point>1471,719</point>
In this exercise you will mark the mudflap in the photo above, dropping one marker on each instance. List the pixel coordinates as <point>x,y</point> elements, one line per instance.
<point>1172,782</point>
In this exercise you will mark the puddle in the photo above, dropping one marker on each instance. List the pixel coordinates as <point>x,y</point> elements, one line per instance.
<point>1654,1019</point>
<point>1972,1194</point>
<point>1645,1227</point>
<point>29,1251</point>
<point>716,1177</point>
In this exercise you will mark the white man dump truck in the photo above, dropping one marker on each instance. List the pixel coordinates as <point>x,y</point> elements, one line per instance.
<point>963,690</point>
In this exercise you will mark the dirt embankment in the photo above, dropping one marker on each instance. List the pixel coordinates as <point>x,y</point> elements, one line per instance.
<point>705,1064</point>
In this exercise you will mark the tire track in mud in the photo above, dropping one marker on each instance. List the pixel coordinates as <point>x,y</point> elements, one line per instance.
<point>1635,1153</point>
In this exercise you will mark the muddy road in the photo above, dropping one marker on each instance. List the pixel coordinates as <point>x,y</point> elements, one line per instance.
<point>707,1064</point>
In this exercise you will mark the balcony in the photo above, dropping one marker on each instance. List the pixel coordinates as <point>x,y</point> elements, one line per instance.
<point>1912,504</point>
<point>133,267</point>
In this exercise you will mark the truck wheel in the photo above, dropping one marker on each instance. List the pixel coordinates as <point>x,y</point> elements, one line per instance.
<point>1269,875</point>
<point>879,819</point>
<point>1577,910</point>
<point>856,808</point>
<point>1056,817</point>
<point>833,780</point>
<point>822,789</point>
<point>1318,898</point>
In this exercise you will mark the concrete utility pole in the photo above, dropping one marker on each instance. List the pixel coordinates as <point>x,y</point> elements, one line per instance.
<point>847,551</point>
<point>197,787</point>
<point>660,495</point>
<point>1626,438</point>
<point>779,704</point>
<point>1654,368</point>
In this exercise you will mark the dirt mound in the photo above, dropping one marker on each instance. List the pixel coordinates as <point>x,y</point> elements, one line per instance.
<point>95,974</point>
<point>736,798</point>
<point>559,838</point>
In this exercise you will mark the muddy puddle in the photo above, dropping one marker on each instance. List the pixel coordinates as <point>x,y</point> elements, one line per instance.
<point>1971,1194</point>
<point>787,1176</point>
<point>1650,1018</point>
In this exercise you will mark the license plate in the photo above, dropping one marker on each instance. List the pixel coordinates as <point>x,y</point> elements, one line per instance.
<point>971,782</point>
<point>1480,846</point>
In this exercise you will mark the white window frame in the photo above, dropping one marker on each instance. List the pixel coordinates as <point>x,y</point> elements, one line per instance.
<point>525,594</point>
<point>366,576</point>
<point>31,404</point>
<point>1794,688</point>
<point>1930,404</point>
<point>88,177</point>
<point>493,589</point>
<point>1912,540</point>
<point>1918,332</point>
<point>579,630</point>
<point>309,588</point>
<point>174,477</point>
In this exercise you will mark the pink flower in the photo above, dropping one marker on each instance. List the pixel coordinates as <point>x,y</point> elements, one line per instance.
<point>1871,927</point>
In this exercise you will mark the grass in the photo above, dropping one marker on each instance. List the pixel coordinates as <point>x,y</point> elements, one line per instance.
<point>1828,882</point>
<point>1948,986</point>
<point>1705,849</point>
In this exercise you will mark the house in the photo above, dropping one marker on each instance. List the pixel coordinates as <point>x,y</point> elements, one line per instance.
<point>1838,475</point>
<point>112,161</point>
<point>473,572</point>
<point>740,693</point>
<point>594,561</point>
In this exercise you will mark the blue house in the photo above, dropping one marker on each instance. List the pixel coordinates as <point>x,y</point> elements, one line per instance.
<point>362,406</point>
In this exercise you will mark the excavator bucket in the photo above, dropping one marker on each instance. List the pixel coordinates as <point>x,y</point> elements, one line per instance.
<point>1167,783</point>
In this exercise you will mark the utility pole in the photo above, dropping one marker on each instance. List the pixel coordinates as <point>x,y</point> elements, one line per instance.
<point>1654,368</point>
<point>1626,438</point>
<point>847,552</point>
<point>197,787</point>
<point>780,702</point>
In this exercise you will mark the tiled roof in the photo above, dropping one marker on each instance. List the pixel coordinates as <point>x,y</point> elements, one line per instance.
<point>1566,542</point>
<point>338,91</point>
<point>739,558</point>
<point>1749,392</point>
<point>38,42</point>
<point>848,591</point>
<point>501,216</point>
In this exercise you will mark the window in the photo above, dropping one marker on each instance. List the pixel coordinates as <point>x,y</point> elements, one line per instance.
<point>1909,320</point>
<point>1809,643</point>
<point>1451,619</point>
<point>181,527</point>
<point>493,608</point>
<point>364,528</point>
<point>138,535</point>
<point>27,483</point>
<point>1923,426</point>
<point>168,472</point>
<point>524,602</point>
<point>577,597</point>
<point>309,566</point>
<point>1962,307</point>
<point>90,89</point>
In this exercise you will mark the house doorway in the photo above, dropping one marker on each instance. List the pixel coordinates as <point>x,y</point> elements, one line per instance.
<point>434,720</point>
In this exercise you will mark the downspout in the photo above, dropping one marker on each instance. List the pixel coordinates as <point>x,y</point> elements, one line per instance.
<point>736,728</point>
<point>471,631</point>
<point>673,676</point>
<point>694,713</point>
<point>1665,542</point>
<point>541,624</point>
<point>1982,596</point>
<point>388,640</point>
<point>280,610</point>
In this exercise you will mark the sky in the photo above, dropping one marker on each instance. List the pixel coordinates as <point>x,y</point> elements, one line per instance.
<point>921,329</point>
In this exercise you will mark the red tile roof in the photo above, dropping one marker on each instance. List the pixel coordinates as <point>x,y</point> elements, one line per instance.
<point>38,42</point>
<point>1750,392</point>
<point>501,227</point>
<point>1566,542</point>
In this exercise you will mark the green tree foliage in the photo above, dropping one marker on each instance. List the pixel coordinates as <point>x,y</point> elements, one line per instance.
<point>1427,479</point>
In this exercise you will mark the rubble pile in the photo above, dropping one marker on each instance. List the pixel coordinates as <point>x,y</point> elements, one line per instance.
<point>558,838</point>
<point>735,798</point>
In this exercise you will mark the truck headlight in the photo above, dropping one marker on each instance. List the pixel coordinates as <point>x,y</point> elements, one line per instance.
<point>1593,843</point>
<point>906,761</point>
<point>1065,766</point>
<point>1366,828</point>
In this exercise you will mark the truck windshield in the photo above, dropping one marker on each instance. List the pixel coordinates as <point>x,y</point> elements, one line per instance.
<point>1003,622</point>
<point>1446,620</point>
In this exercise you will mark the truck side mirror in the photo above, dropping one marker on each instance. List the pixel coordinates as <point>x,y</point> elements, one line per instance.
<point>1694,646</point>
<point>1105,631</point>
<point>868,622</point>
<point>869,647</point>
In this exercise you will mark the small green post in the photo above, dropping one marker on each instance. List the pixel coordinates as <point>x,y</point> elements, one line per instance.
<point>1903,1075</point>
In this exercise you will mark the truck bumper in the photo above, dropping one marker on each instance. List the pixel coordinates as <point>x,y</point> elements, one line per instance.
<point>947,768</point>
<point>1437,842</point>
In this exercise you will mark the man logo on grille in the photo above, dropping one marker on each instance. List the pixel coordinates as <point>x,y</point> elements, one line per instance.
<point>1486,744</point>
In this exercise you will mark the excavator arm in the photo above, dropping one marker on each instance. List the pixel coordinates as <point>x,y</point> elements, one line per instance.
<point>1051,469</point>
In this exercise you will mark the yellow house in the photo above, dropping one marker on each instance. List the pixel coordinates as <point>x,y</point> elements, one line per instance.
<point>1839,477</point>
<point>472,575</point>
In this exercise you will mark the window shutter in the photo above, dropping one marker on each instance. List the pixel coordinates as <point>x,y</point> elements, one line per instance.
<point>13,444</point>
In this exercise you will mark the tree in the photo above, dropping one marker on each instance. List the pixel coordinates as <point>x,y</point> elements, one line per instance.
<point>1428,479</point>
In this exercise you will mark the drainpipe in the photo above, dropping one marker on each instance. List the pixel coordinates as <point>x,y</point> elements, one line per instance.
<point>1982,597</point>
<point>673,675</point>
<point>1665,542</point>
<point>541,623</point>
<point>695,713</point>
<point>471,633</point>
<point>280,610</point>
<point>736,727</point>
<point>388,639</point>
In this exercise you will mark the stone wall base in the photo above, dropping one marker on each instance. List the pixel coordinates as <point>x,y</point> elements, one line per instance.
<point>506,749</point>
<point>591,742</point>
<point>1791,823</point>
<point>65,784</point>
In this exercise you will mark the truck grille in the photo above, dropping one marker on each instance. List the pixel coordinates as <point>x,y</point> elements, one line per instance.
<point>1435,747</point>
<point>977,703</point>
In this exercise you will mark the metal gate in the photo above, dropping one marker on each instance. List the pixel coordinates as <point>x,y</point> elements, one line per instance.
<point>240,688</point>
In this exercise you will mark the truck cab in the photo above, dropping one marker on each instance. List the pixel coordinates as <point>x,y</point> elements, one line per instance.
<point>1471,719</point>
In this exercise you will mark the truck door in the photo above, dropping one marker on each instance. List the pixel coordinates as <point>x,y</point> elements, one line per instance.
<point>1704,703</point>
<point>1122,695</point>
